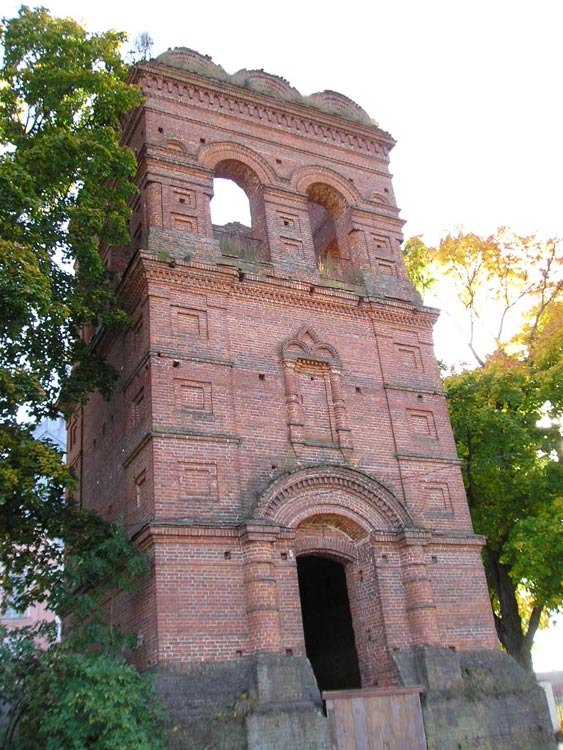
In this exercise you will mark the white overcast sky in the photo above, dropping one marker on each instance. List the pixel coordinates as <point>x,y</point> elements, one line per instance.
<point>471,90</point>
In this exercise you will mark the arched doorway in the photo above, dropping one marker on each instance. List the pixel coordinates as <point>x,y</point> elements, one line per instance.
<point>338,514</point>
<point>327,623</point>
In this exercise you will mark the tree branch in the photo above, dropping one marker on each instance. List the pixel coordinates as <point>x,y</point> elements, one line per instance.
<point>533,625</point>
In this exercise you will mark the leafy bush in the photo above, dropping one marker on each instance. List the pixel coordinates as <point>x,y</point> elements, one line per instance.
<point>62,699</point>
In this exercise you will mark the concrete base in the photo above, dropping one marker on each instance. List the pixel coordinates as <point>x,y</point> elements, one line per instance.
<point>267,702</point>
<point>477,699</point>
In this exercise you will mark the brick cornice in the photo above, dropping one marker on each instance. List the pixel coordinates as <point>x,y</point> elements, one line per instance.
<point>457,539</point>
<point>320,298</point>
<point>178,434</point>
<point>426,537</point>
<point>429,457</point>
<point>414,536</point>
<point>307,296</point>
<point>258,530</point>
<point>256,107</point>
<point>152,531</point>
<point>194,275</point>
<point>194,530</point>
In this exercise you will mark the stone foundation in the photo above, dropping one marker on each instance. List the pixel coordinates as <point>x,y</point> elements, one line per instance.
<point>267,702</point>
<point>477,699</point>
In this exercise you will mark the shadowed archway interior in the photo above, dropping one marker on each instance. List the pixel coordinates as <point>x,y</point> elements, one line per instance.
<point>327,623</point>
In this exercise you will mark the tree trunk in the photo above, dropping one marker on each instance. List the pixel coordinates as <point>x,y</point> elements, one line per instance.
<point>509,624</point>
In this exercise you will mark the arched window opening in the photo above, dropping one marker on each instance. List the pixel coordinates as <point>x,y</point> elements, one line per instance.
<point>327,217</point>
<point>229,204</point>
<point>324,235</point>
<point>237,212</point>
<point>327,623</point>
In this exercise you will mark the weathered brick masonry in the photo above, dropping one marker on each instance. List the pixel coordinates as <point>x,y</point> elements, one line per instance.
<point>278,399</point>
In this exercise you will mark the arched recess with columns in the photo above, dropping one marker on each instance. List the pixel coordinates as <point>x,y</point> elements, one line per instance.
<point>343,515</point>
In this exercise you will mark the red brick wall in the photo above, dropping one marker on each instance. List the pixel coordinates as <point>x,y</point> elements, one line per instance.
<point>236,377</point>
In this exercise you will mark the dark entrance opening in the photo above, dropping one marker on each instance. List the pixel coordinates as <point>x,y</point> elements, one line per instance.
<point>327,622</point>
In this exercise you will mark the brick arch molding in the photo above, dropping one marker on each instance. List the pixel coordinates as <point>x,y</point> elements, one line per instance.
<point>291,499</point>
<point>326,546</point>
<point>174,144</point>
<point>307,344</point>
<point>213,153</point>
<point>304,177</point>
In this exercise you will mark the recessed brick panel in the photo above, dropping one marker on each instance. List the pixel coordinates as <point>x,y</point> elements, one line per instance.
<point>422,423</point>
<point>184,223</point>
<point>190,322</point>
<point>437,497</point>
<point>380,245</point>
<point>314,391</point>
<point>192,395</point>
<point>198,481</point>
<point>290,245</point>
<point>408,357</point>
<point>183,200</point>
<point>385,266</point>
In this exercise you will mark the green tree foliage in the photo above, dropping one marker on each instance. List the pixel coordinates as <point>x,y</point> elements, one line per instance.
<point>418,261</point>
<point>62,698</point>
<point>65,183</point>
<point>506,414</point>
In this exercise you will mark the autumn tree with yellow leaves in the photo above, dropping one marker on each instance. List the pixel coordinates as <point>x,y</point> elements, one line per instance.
<point>506,407</point>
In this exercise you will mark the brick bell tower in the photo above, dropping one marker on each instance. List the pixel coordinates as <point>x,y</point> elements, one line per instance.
<point>278,440</point>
